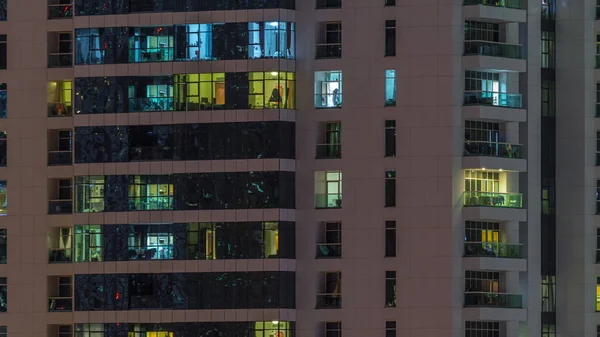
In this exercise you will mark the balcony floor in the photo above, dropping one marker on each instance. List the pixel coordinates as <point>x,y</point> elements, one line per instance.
<point>494,263</point>
<point>494,213</point>
<point>492,63</point>
<point>493,113</point>
<point>495,163</point>
<point>494,14</point>
<point>494,314</point>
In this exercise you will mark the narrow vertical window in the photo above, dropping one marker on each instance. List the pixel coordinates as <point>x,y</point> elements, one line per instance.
<point>390,2</point>
<point>390,138</point>
<point>597,196</point>
<point>390,329</point>
<point>390,37</point>
<point>597,148</point>
<point>390,188</point>
<point>3,53</point>
<point>390,238</point>
<point>390,288</point>
<point>390,87</point>
<point>3,246</point>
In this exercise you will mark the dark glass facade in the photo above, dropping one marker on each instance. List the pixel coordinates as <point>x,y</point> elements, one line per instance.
<point>185,92</point>
<point>184,241</point>
<point>210,141</point>
<point>189,42</point>
<point>185,291</point>
<point>187,329</point>
<point>106,7</point>
<point>3,12</point>
<point>548,168</point>
<point>3,148</point>
<point>185,191</point>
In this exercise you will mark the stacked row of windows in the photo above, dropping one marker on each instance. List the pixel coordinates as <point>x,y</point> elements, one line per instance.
<point>187,329</point>
<point>191,191</point>
<point>254,90</point>
<point>3,11</point>
<point>180,241</point>
<point>106,7</point>
<point>190,42</point>
<point>185,291</point>
<point>211,141</point>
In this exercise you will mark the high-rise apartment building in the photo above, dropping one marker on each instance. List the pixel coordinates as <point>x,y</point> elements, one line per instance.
<point>174,168</point>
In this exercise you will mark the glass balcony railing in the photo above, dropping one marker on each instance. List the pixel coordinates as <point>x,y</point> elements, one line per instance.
<point>57,158</point>
<point>328,201</point>
<point>328,101</point>
<point>60,60</point>
<point>491,149</point>
<point>60,206</point>
<point>496,49</point>
<point>329,151</point>
<point>517,4</point>
<point>60,12</point>
<point>493,99</point>
<point>62,255</point>
<point>60,304</point>
<point>492,199</point>
<point>501,300</point>
<point>329,250</point>
<point>150,203</point>
<point>151,104</point>
<point>329,301</point>
<point>329,51</point>
<point>60,109</point>
<point>493,249</point>
<point>324,4</point>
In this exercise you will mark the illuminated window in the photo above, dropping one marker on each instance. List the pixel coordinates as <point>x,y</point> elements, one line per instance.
<point>59,96</point>
<point>598,294</point>
<point>151,192</point>
<point>3,197</point>
<point>151,44</point>
<point>390,88</point>
<point>200,91</point>
<point>89,245</point>
<point>482,181</point>
<point>150,242</point>
<point>89,194</point>
<point>328,89</point>
<point>271,90</point>
<point>328,189</point>
<point>271,40</point>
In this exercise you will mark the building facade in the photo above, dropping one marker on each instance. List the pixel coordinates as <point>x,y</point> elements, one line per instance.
<point>280,168</point>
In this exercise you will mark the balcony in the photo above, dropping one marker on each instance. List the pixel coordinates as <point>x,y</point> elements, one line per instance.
<point>492,149</point>
<point>60,109</point>
<point>493,300</point>
<point>60,11</point>
<point>60,206</point>
<point>328,201</point>
<point>60,60</point>
<point>329,151</point>
<point>488,98</point>
<point>151,104</point>
<point>326,4</point>
<point>492,199</point>
<point>494,49</point>
<point>329,51</point>
<point>516,4</point>
<point>493,249</point>
<point>329,301</point>
<point>60,304</point>
<point>62,255</point>
<point>329,250</point>
<point>60,158</point>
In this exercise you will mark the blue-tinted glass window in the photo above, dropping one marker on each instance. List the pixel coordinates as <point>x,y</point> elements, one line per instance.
<point>3,11</point>
<point>194,191</point>
<point>185,291</point>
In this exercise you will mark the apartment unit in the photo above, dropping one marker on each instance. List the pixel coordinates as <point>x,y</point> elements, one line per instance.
<point>308,168</point>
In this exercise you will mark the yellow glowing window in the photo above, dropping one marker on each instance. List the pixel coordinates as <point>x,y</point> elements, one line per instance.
<point>598,297</point>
